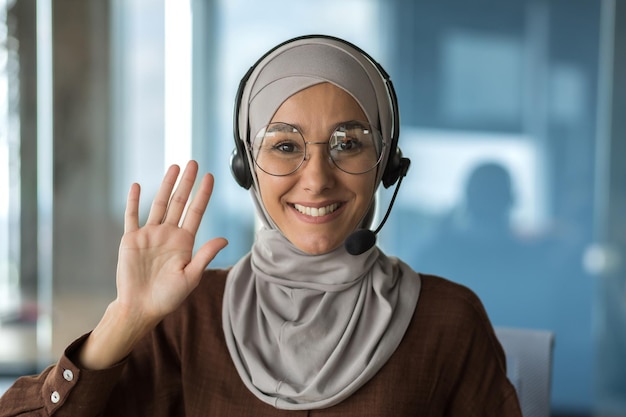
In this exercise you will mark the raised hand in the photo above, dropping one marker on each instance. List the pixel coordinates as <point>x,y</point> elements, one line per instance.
<point>156,268</point>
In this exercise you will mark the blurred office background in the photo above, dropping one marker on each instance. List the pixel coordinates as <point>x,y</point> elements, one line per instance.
<point>512,113</point>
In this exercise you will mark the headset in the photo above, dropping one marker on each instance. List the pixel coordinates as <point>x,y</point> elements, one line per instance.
<point>396,164</point>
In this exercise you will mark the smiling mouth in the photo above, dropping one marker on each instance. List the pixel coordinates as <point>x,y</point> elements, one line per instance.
<point>316,211</point>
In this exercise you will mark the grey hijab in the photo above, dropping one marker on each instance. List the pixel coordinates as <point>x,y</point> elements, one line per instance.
<point>306,331</point>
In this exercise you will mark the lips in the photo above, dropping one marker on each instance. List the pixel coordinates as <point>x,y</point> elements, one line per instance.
<point>316,211</point>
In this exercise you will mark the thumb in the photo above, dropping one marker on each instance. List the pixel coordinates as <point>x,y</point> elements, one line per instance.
<point>205,255</point>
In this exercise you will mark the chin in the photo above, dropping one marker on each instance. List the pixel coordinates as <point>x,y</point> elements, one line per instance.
<point>318,246</point>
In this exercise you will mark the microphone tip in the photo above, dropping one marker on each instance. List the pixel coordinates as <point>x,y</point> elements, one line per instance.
<point>360,241</point>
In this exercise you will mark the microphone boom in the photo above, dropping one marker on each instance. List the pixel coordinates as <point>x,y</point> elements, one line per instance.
<point>362,240</point>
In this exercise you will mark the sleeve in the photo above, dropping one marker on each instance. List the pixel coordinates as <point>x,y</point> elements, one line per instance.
<point>62,389</point>
<point>146,383</point>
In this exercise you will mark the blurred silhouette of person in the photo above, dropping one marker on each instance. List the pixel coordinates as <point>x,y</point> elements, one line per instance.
<point>483,216</point>
<point>488,203</point>
<point>475,244</point>
<point>489,200</point>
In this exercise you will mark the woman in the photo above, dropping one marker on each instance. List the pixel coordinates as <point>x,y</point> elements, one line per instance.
<point>299,326</point>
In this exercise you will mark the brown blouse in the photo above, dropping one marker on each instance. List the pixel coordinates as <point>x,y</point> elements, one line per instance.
<point>448,364</point>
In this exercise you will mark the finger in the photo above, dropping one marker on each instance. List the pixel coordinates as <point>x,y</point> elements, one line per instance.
<point>159,205</point>
<point>131,215</point>
<point>205,255</point>
<point>180,197</point>
<point>198,205</point>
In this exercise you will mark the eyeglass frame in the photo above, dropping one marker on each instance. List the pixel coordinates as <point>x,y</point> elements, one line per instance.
<point>383,145</point>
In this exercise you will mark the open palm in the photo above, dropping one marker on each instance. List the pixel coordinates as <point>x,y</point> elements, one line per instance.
<point>156,267</point>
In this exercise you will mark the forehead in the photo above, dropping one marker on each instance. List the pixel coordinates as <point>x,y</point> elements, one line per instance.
<point>319,105</point>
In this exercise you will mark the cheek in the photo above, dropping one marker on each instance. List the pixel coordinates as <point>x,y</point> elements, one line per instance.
<point>365,190</point>
<point>265,189</point>
<point>271,190</point>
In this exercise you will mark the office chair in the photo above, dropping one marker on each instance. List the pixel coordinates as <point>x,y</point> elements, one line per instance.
<point>529,366</point>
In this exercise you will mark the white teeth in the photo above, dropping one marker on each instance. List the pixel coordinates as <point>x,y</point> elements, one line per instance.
<point>315,211</point>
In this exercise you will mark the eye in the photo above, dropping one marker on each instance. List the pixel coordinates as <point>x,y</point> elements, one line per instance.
<point>345,142</point>
<point>285,147</point>
<point>284,143</point>
<point>282,140</point>
<point>349,144</point>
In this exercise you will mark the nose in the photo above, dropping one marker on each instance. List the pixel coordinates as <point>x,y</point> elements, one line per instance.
<point>317,172</point>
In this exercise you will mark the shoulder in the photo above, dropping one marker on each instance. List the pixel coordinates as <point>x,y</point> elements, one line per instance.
<point>451,340</point>
<point>451,321</point>
<point>436,291</point>
<point>440,296</point>
<point>443,286</point>
<point>451,314</point>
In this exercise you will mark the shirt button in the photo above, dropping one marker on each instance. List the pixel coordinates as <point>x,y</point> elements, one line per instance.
<point>55,397</point>
<point>68,375</point>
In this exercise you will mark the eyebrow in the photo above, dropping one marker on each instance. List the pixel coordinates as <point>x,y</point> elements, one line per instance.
<point>354,123</point>
<point>287,127</point>
<point>281,127</point>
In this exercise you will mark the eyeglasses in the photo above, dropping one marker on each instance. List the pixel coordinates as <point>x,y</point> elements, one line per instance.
<point>354,147</point>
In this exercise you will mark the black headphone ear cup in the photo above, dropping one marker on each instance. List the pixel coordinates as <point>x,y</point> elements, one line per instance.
<point>240,169</point>
<point>393,170</point>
